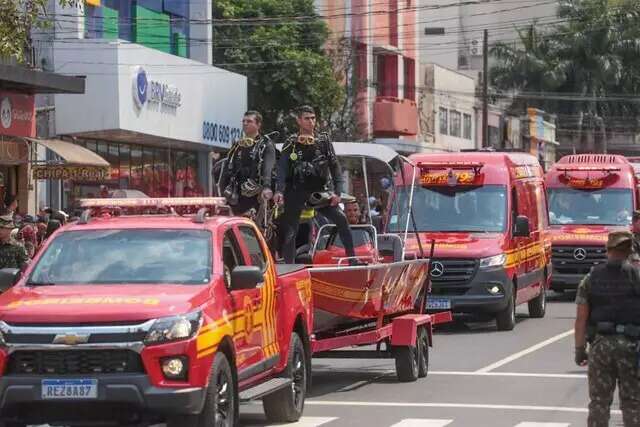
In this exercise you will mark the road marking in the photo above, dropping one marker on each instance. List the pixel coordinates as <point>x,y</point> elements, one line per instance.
<point>418,422</point>
<point>307,422</point>
<point>529,424</point>
<point>353,386</point>
<point>508,374</point>
<point>524,352</point>
<point>452,405</point>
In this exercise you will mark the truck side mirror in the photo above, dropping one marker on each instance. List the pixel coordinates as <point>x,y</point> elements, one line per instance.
<point>521,227</point>
<point>8,278</point>
<point>246,277</point>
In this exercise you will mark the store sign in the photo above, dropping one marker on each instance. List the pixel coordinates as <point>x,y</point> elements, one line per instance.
<point>220,134</point>
<point>75,173</point>
<point>17,115</point>
<point>146,91</point>
<point>13,152</point>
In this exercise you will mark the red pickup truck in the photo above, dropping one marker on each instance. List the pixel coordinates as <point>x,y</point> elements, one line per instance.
<point>153,318</point>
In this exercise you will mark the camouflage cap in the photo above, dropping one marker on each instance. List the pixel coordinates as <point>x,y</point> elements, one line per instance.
<point>6,223</point>
<point>636,215</point>
<point>619,238</point>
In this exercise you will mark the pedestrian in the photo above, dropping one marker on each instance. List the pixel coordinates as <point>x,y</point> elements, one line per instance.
<point>608,316</point>
<point>307,163</point>
<point>12,255</point>
<point>248,171</point>
<point>352,211</point>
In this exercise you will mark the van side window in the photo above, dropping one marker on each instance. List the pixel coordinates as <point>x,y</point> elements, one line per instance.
<point>231,256</point>
<point>258,259</point>
<point>541,206</point>
<point>532,211</point>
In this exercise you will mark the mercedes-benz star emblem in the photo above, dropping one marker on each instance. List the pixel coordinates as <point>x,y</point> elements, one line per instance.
<point>437,269</point>
<point>580,254</point>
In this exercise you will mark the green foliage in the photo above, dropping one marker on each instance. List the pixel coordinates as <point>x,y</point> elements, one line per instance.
<point>283,57</point>
<point>17,18</point>
<point>594,52</point>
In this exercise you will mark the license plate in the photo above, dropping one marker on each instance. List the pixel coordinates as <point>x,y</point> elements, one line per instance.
<point>438,304</point>
<point>70,389</point>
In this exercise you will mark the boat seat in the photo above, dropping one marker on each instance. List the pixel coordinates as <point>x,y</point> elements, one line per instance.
<point>390,244</point>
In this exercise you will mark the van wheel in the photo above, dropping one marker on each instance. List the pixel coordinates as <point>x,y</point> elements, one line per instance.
<point>220,406</point>
<point>423,352</point>
<point>538,305</point>
<point>506,319</point>
<point>286,405</point>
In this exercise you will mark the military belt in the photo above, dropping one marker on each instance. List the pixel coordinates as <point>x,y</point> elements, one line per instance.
<point>610,328</point>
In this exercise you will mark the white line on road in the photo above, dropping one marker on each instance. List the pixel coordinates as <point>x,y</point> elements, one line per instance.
<point>452,405</point>
<point>524,352</point>
<point>307,422</point>
<point>417,422</point>
<point>508,374</point>
<point>528,424</point>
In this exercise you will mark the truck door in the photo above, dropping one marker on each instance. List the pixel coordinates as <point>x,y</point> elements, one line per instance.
<point>247,352</point>
<point>263,328</point>
<point>521,206</point>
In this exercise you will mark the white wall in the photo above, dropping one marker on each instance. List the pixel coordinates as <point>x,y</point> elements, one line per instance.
<point>209,94</point>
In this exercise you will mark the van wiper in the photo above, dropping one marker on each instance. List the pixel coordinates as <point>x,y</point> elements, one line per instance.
<point>40,284</point>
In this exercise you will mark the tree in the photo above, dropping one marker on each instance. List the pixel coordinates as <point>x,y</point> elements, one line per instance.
<point>17,19</point>
<point>592,57</point>
<point>279,46</point>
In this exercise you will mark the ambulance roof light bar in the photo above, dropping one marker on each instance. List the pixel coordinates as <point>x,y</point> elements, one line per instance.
<point>609,169</point>
<point>451,166</point>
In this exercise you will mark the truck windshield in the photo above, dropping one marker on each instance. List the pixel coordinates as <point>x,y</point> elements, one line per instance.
<point>126,256</point>
<point>609,206</point>
<point>464,209</point>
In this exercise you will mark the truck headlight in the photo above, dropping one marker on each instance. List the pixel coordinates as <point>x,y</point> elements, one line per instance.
<point>493,261</point>
<point>174,328</point>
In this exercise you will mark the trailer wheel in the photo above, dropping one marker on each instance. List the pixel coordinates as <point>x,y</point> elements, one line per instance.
<point>220,406</point>
<point>286,405</point>
<point>423,352</point>
<point>407,363</point>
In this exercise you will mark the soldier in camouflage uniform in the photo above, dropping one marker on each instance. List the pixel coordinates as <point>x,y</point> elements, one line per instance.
<point>11,254</point>
<point>608,312</point>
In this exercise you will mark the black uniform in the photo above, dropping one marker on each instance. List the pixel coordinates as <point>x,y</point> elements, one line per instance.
<point>303,170</point>
<point>255,163</point>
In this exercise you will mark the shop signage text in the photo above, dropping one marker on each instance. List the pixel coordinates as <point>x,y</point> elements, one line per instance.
<point>17,115</point>
<point>75,173</point>
<point>152,91</point>
<point>219,133</point>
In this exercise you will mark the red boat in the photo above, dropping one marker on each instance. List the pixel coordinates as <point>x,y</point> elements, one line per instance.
<point>391,282</point>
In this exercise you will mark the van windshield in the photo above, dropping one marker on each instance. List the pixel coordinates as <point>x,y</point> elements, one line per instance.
<point>463,209</point>
<point>126,256</point>
<point>608,206</point>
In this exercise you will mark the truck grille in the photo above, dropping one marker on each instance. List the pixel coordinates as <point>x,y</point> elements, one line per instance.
<point>577,259</point>
<point>455,278</point>
<point>71,362</point>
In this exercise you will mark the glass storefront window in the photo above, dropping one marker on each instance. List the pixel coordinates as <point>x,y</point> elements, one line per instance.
<point>125,161</point>
<point>114,160</point>
<point>136,168</point>
<point>147,172</point>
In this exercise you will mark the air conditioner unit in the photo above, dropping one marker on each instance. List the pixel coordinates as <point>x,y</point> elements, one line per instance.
<point>475,49</point>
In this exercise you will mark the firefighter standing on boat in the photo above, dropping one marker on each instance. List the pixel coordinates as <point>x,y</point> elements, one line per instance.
<point>308,167</point>
<point>248,171</point>
<point>608,315</point>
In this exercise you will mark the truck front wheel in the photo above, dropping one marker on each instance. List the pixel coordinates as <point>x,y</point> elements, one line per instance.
<point>286,405</point>
<point>220,406</point>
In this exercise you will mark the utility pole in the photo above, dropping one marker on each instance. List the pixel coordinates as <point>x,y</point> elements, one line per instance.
<point>485,89</point>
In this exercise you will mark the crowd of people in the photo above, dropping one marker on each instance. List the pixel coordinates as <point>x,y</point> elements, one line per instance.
<point>22,236</point>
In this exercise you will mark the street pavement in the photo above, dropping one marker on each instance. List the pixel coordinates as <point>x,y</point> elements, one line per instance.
<point>478,377</point>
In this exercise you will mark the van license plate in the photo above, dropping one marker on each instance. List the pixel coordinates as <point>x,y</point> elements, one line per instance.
<point>438,303</point>
<point>70,389</point>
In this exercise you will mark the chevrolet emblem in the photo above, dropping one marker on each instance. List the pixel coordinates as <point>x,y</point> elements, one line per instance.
<point>71,339</point>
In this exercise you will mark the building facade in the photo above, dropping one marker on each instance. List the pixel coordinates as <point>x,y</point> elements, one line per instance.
<point>447,110</point>
<point>154,108</point>
<point>381,38</point>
